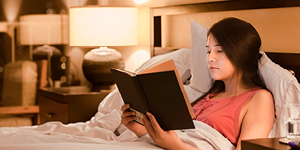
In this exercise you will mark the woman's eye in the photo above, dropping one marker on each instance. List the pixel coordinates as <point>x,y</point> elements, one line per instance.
<point>220,51</point>
<point>208,52</point>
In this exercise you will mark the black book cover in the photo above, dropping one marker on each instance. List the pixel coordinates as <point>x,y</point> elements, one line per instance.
<point>166,100</point>
<point>159,93</point>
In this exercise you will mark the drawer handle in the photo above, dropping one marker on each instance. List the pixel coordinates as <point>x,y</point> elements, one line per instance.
<point>50,115</point>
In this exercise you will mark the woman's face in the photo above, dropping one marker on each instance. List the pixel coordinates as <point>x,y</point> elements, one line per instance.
<point>218,63</point>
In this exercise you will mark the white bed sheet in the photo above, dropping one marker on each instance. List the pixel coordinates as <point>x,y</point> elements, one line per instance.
<point>100,133</point>
<point>50,138</point>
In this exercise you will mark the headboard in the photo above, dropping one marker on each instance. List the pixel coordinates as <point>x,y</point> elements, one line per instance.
<point>289,60</point>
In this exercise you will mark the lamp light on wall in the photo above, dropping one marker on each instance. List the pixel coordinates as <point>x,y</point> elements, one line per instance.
<point>3,26</point>
<point>96,26</point>
<point>45,30</point>
<point>140,1</point>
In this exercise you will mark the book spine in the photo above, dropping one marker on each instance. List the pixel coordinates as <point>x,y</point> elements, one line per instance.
<point>141,94</point>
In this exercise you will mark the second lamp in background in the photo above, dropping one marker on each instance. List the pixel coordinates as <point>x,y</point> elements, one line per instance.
<point>44,31</point>
<point>96,26</point>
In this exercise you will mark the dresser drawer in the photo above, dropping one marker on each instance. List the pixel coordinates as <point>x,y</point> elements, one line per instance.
<point>51,110</point>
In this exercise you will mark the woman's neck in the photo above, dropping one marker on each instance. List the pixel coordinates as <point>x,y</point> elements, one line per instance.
<point>233,87</point>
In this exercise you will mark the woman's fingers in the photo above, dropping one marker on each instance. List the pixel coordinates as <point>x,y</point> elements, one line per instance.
<point>126,113</point>
<point>152,126</point>
<point>124,108</point>
<point>154,123</point>
<point>127,116</point>
<point>126,120</point>
<point>148,127</point>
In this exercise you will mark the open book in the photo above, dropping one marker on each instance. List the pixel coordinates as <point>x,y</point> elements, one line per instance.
<point>158,90</point>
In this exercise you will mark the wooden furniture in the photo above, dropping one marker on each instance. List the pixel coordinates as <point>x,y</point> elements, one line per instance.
<point>17,110</point>
<point>264,144</point>
<point>68,104</point>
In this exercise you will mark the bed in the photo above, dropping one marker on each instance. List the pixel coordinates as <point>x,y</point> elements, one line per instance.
<point>104,130</point>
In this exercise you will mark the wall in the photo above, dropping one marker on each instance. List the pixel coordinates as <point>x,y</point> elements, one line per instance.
<point>151,3</point>
<point>278,27</point>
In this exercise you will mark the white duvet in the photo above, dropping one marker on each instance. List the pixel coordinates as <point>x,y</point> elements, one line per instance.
<point>103,131</point>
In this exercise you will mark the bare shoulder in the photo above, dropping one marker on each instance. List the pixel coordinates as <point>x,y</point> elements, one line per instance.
<point>258,116</point>
<point>263,92</point>
<point>261,101</point>
<point>262,97</point>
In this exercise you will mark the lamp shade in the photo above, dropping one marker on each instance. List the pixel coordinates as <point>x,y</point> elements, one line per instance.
<point>103,26</point>
<point>41,29</point>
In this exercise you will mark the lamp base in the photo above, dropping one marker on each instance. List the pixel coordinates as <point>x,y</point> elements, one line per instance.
<point>46,52</point>
<point>97,63</point>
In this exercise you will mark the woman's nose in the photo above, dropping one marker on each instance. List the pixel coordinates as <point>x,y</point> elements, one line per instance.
<point>211,56</point>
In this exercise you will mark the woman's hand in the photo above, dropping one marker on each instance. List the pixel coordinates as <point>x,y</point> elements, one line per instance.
<point>128,118</point>
<point>166,139</point>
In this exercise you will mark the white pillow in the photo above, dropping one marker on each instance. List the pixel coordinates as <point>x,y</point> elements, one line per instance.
<point>201,79</point>
<point>181,59</point>
<point>284,87</point>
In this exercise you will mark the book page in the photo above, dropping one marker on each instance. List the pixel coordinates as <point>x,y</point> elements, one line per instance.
<point>130,90</point>
<point>168,65</point>
<point>126,71</point>
<point>139,116</point>
<point>164,65</point>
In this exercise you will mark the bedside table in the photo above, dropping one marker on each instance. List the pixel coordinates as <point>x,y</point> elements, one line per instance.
<point>68,104</point>
<point>264,144</point>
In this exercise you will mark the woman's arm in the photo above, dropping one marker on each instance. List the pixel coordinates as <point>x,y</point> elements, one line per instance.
<point>128,118</point>
<point>259,117</point>
<point>165,139</point>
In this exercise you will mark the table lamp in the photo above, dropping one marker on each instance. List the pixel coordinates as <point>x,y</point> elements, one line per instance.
<point>95,26</point>
<point>46,30</point>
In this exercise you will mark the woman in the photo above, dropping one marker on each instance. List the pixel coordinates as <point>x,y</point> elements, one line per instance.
<point>238,104</point>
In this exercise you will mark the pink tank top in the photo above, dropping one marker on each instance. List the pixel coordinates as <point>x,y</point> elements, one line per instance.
<point>223,113</point>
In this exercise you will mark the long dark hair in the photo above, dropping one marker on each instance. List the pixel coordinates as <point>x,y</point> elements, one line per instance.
<point>241,44</point>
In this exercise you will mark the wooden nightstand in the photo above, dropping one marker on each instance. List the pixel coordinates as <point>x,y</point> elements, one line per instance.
<point>68,104</point>
<point>264,144</point>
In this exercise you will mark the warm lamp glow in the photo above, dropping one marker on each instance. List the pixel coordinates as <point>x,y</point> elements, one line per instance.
<point>71,3</point>
<point>140,1</point>
<point>43,29</point>
<point>137,59</point>
<point>103,26</point>
<point>11,9</point>
<point>3,27</point>
<point>46,30</point>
